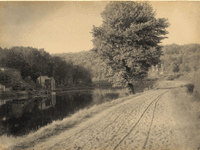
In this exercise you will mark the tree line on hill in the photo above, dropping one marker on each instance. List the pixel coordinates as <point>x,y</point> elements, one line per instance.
<point>88,59</point>
<point>181,58</point>
<point>175,59</point>
<point>33,62</point>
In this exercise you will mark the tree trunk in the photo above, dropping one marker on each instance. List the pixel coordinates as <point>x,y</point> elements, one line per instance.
<point>131,88</point>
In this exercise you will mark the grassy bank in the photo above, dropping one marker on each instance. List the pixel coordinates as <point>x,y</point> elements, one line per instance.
<point>187,106</point>
<point>193,78</point>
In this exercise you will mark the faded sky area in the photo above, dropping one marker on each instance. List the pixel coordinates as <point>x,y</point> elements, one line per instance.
<point>65,26</point>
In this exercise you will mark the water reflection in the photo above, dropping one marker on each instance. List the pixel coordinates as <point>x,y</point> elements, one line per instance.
<point>20,116</point>
<point>47,102</point>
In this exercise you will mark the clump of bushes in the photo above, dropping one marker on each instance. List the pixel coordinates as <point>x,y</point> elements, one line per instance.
<point>190,88</point>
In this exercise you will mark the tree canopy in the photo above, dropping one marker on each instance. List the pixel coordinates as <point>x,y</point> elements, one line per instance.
<point>181,58</point>
<point>128,40</point>
<point>98,69</point>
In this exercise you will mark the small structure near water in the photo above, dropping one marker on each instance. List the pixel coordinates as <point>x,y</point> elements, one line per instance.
<point>46,82</point>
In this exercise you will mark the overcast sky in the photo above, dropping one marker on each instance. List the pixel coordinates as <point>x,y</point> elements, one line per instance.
<point>65,26</point>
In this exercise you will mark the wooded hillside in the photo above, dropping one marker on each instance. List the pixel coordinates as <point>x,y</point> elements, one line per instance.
<point>33,62</point>
<point>181,58</point>
<point>175,59</point>
<point>99,70</point>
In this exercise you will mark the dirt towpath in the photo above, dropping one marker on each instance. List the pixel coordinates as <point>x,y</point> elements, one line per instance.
<point>144,122</point>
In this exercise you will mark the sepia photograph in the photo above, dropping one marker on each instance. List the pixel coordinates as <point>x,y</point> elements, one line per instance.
<point>104,75</point>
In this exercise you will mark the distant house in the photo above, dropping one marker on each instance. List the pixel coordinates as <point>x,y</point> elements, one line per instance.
<point>46,82</point>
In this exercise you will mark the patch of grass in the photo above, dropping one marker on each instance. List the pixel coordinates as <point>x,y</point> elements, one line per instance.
<point>194,78</point>
<point>187,104</point>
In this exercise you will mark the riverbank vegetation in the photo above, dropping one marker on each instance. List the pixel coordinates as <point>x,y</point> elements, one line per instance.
<point>187,106</point>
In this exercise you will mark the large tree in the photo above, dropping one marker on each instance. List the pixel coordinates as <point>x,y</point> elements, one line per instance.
<point>128,40</point>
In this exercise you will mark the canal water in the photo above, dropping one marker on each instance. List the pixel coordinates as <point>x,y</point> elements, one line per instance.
<point>23,115</point>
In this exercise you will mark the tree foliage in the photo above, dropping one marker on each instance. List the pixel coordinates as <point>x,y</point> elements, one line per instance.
<point>175,67</point>
<point>128,39</point>
<point>33,62</point>
<point>87,59</point>
<point>185,58</point>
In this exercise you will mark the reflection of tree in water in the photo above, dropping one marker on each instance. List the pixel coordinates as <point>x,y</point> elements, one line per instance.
<point>71,102</point>
<point>29,120</point>
<point>41,112</point>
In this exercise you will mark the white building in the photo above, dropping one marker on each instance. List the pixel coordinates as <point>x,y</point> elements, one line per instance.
<point>46,82</point>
